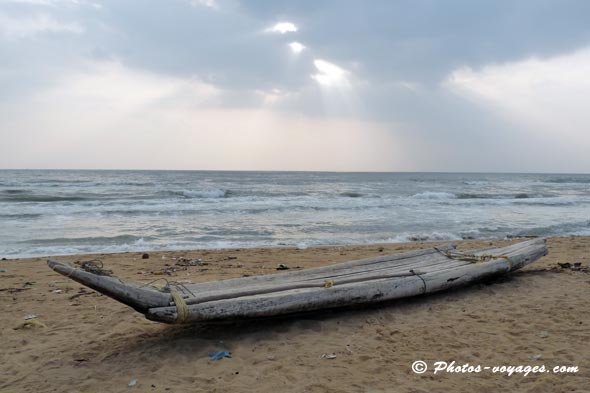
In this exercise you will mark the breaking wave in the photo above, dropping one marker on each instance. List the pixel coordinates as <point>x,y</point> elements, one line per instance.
<point>23,197</point>
<point>569,180</point>
<point>206,193</point>
<point>434,195</point>
<point>423,237</point>
<point>13,191</point>
<point>472,195</point>
<point>110,211</point>
<point>572,228</point>
<point>493,196</point>
<point>94,240</point>
<point>19,216</point>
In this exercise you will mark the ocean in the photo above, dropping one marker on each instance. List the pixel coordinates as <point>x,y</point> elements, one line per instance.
<point>56,212</point>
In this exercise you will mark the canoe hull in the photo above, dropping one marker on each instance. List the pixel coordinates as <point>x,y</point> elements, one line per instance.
<point>349,284</point>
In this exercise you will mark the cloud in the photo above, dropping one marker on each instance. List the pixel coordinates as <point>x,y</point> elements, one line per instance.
<point>282,28</point>
<point>205,3</point>
<point>33,2</point>
<point>42,2</point>
<point>296,47</point>
<point>545,92</point>
<point>544,97</point>
<point>110,84</point>
<point>12,27</point>
<point>55,3</point>
<point>273,96</point>
<point>329,74</point>
<point>504,67</point>
<point>113,116</point>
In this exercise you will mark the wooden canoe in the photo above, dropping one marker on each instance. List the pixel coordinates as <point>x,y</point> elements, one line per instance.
<point>351,283</point>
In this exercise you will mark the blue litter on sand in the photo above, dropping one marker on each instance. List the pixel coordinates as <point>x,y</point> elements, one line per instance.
<point>220,355</point>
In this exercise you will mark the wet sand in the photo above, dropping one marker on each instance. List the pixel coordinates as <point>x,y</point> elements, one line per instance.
<point>90,343</point>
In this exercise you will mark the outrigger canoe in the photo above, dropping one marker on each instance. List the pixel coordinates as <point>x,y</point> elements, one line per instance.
<point>352,283</point>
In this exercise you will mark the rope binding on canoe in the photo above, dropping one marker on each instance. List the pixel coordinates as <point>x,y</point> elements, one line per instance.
<point>418,274</point>
<point>173,287</point>
<point>166,288</point>
<point>472,257</point>
<point>181,306</point>
<point>94,266</point>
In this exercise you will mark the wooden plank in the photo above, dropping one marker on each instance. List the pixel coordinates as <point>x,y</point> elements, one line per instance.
<point>140,298</point>
<point>225,288</point>
<point>302,300</point>
<point>233,292</point>
<point>402,259</point>
<point>295,301</point>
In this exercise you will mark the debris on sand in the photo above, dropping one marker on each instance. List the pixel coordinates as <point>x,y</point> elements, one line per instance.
<point>81,292</point>
<point>575,267</point>
<point>30,324</point>
<point>219,355</point>
<point>190,262</point>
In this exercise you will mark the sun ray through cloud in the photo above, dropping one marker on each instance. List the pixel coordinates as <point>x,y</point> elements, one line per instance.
<point>282,28</point>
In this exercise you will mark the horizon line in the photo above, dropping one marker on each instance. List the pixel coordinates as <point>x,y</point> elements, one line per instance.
<point>298,171</point>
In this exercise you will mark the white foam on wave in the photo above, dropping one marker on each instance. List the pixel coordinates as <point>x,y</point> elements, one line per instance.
<point>471,234</point>
<point>434,195</point>
<point>475,182</point>
<point>423,236</point>
<point>56,250</point>
<point>205,193</point>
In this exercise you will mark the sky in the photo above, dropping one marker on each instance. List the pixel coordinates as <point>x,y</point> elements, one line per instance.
<point>334,85</point>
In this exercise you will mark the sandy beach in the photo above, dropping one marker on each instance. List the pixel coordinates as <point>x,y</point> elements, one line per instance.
<point>90,343</point>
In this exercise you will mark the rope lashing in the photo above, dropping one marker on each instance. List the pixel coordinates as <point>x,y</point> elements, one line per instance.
<point>181,306</point>
<point>94,266</point>
<point>473,258</point>
<point>414,273</point>
<point>168,286</point>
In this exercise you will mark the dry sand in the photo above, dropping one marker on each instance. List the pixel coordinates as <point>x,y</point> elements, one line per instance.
<point>91,343</point>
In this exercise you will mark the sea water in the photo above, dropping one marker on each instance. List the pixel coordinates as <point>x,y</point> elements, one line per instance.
<point>53,212</point>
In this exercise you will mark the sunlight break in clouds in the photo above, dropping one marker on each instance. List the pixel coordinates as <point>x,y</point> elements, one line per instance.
<point>140,119</point>
<point>329,74</point>
<point>282,28</point>
<point>272,96</point>
<point>296,47</point>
